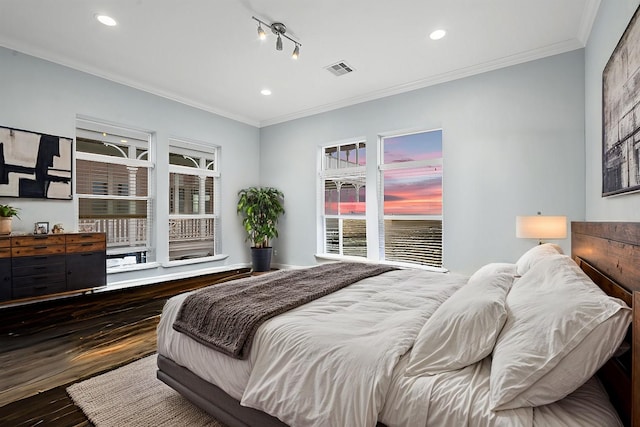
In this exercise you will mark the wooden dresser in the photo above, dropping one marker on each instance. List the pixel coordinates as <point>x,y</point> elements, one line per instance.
<point>38,265</point>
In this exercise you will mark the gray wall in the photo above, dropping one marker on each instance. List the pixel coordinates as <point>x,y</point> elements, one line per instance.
<point>513,142</point>
<point>611,21</point>
<point>44,97</point>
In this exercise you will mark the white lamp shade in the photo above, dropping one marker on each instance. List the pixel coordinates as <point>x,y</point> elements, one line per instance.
<point>541,227</point>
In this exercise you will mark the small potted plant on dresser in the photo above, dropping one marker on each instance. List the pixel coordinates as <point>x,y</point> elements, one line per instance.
<point>7,212</point>
<point>260,208</point>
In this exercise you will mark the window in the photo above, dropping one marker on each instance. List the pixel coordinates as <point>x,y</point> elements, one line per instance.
<point>114,196</point>
<point>407,215</point>
<point>410,191</point>
<point>194,206</point>
<point>343,183</point>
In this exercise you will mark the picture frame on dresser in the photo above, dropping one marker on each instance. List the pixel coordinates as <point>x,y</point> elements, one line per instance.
<point>41,228</point>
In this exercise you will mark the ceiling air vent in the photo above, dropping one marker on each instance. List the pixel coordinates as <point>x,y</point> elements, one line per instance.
<point>339,68</point>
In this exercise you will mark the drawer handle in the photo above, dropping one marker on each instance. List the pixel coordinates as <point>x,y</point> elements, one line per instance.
<point>39,267</point>
<point>41,247</point>
<point>39,288</point>
<point>86,244</point>
<point>40,237</point>
<point>41,278</point>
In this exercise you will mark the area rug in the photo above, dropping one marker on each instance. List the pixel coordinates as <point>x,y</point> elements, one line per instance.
<point>133,396</point>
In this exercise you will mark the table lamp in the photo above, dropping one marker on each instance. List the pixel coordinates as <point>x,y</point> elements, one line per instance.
<point>541,227</point>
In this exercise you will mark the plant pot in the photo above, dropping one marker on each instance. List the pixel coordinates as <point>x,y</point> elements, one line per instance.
<point>5,225</point>
<point>261,259</point>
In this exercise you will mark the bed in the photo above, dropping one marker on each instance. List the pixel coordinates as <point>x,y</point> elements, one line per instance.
<point>398,376</point>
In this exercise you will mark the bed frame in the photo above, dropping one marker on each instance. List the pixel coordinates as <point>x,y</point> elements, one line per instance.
<point>609,252</point>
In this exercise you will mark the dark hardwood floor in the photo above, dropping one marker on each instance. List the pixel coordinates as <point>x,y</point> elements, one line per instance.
<point>46,346</point>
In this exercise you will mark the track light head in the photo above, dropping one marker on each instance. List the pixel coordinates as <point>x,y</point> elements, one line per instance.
<point>279,43</point>
<point>261,34</point>
<point>296,52</point>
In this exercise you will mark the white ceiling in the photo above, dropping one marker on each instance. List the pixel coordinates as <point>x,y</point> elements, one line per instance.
<point>206,53</point>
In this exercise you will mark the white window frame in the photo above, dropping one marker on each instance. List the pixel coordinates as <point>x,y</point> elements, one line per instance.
<point>337,174</point>
<point>108,133</point>
<point>374,212</point>
<point>192,149</point>
<point>382,167</point>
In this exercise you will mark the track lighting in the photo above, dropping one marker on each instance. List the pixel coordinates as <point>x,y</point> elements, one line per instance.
<point>279,29</point>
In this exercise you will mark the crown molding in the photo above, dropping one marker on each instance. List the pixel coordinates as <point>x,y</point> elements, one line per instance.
<point>586,22</point>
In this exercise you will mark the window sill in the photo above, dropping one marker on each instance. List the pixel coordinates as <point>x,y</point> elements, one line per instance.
<point>133,267</point>
<point>195,260</point>
<point>332,257</point>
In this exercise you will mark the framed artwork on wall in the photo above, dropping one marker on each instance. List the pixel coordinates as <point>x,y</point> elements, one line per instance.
<point>35,165</point>
<point>621,114</point>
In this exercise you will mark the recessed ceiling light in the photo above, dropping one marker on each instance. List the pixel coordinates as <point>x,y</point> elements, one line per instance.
<point>265,92</point>
<point>106,20</point>
<point>437,34</point>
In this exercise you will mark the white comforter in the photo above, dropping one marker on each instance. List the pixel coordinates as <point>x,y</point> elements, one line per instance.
<point>332,365</point>
<point>340,361</point>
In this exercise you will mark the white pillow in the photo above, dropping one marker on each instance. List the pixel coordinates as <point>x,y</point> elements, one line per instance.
<point>486,272</point>
<point>535,254</point>
<point>464,329</point>
<point>561,329</point>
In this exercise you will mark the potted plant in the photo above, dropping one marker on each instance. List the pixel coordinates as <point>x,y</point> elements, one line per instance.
<point>260,208</point>
<point>7,212</point>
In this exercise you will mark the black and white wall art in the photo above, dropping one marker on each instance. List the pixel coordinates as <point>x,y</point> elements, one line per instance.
<point>34,165</point>
<point>621,114</point>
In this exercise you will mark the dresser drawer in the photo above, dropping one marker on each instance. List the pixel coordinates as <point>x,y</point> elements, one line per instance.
<point>56,265</point>
<point>85,237</point>
<point>86,247</point>
<point>36,280</point>
<point>38,240</point>
<point>42,249</point>
<point>5,252</point>
<point>5,242</point>
<point>39,289</point>
<point>38,260</point>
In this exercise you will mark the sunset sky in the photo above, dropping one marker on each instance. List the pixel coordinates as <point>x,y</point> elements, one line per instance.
<point>413,191</point>
<point>416,191</point>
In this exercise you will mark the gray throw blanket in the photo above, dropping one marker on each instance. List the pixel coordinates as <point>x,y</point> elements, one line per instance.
<point>225,317</point>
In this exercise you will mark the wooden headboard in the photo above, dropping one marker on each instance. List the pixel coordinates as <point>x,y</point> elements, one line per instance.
<point>609,253</point>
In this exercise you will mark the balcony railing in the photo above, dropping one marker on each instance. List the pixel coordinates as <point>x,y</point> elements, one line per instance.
<point>188,237</point>
<point>121,232</point>
<point>191,238</point>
